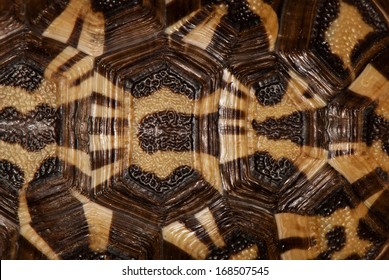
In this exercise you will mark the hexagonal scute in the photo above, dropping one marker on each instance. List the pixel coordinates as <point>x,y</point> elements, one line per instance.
<point>201,129</point>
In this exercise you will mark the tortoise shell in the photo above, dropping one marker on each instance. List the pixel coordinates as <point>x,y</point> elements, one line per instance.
<point>175,129</point>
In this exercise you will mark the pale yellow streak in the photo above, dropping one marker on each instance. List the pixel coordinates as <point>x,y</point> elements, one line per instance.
<point>25,101</point>
<point>78,158</point>
<point>99,220</point>
<point>276,148</point>
<point>162,100</point>
<point>293,225</point>
<point>68,94</point>
<point>268,17</point>
<point>162,163</point>
<point>59,60</point>
<point>177,234</point>
<point>209,167</point>
<point>28,232</point>
<point>82,66</point>
<point>208,222</point>
<point>232,147</point>
<point>207,104</point>
<point>250,253</point>
<point>93,33</point>
<point>310,165</point>
<point>346,31</point>
<point>177,25</point>
<point>102,174</point>
<point>105,87</point>
<point>202,35</point>
<point>105,142</point>
<point>106,112</point>
<point>370,201</point>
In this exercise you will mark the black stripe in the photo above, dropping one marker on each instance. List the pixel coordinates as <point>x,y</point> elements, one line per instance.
<point>82,78</point>
<point>291,243</point>
<point>232,130</point>
<point>230,113</point>
<point>107,126</point>
<point>194,225</point>
<point>70,63</point>
<point>232,89</point>
<point>102,100</point>
<point>76,33</point>
<point>105,157</point>
<point>339,153</point>
<point>370,184</point>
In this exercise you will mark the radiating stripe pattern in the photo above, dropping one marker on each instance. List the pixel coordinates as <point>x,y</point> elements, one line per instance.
<point>195,129</point>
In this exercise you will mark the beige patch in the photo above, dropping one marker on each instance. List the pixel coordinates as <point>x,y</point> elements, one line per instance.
<point>208,222</point>
<point>161,100</point>
<point>250,253</point>
<point>25,101</point>
<point>276,148</point>
<point>202,35</point>
<point>92,34</point>
<point>346,31</point>
<point>29,162</point>
<point>373,84</point>
<point>311,160</point>
<point>292,100</point>
<point>177,234</point>
<point>268,17</point>
<point>99,220</point>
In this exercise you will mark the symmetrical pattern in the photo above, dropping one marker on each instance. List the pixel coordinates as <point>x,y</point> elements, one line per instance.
<point>194,129</point>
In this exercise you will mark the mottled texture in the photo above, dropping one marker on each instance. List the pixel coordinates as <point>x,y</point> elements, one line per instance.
<point>194,129</point>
